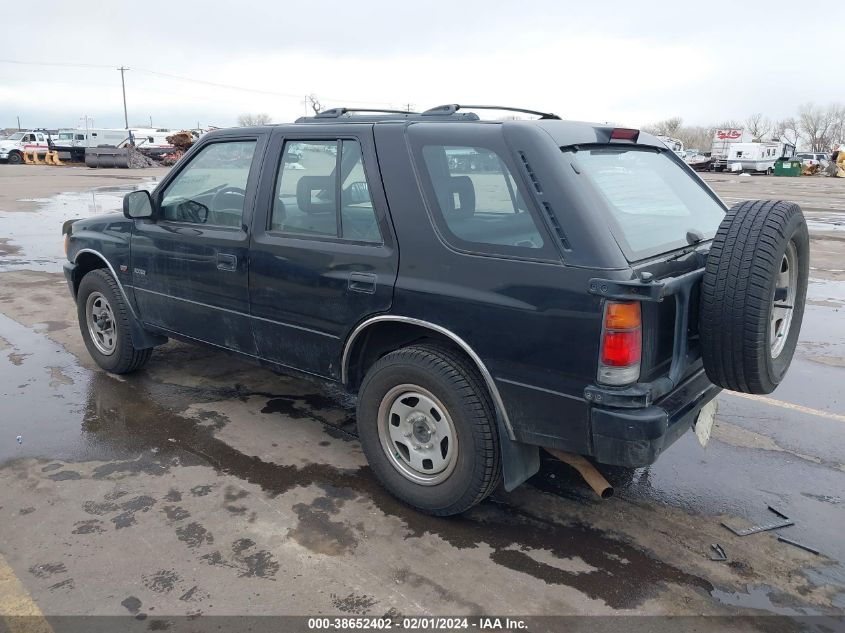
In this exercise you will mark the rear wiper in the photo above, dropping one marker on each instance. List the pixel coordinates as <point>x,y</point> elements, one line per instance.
<point>694,236</point>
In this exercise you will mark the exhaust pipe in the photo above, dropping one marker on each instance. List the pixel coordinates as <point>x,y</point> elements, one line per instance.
<point>593,477</point>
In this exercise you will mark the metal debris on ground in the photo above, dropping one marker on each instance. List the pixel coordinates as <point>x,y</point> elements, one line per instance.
<point>718,553</point>
<point>138,160</point>
<point>812,550</point>
<point>764,527</point>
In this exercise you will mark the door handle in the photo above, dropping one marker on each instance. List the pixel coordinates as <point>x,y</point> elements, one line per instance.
<point>362,282</point>
<point>226,262</point>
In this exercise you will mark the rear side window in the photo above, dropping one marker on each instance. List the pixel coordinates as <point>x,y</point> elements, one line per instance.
<point>479,203</point>
<point>651,201</point>
<point>322,190</point>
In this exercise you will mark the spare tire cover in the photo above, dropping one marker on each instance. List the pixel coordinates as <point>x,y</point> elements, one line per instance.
<point>753,294</point>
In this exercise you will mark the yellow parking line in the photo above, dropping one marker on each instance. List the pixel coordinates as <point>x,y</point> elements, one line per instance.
<point>17,608</point>
<point>788,405</point>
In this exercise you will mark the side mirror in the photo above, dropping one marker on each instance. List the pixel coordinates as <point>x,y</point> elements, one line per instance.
<point>138,204</point>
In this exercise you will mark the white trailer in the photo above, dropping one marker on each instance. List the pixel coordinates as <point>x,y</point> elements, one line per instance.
<point>722,141</point>
<point>153,140</point>
<point>759,157</point>
<point>72,143</point>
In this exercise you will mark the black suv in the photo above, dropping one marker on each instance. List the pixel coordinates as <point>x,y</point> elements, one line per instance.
<point>486,288</point>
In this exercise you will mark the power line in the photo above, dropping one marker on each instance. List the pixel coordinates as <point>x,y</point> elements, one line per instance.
<point>214,84</point>
<point>64,65</point>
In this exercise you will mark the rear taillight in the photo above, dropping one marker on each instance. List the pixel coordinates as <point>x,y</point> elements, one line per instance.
<point>622,343</point>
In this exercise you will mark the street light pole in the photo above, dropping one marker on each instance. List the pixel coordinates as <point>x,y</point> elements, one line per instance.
<point>123,69</point>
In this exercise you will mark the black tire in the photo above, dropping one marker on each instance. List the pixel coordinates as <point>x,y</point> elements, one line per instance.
<point>738,295</point>
<point>15,158</point>
<point>456,383</point>
<point>125,358</point>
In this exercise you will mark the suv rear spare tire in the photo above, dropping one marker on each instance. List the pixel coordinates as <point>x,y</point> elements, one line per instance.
<point>428,428</point>
<point>753,295</point>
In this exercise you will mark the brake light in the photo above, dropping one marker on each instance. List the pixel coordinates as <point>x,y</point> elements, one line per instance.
<point>624,134</point>
<point>622,343</point>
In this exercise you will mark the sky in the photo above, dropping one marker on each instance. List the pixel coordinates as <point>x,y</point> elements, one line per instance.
<point>204,63</point>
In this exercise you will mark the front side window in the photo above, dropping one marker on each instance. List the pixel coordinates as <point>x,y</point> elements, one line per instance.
<point>479,202</point>
<point>211,189</point>
<point>322,190</point>
<point>652,202</point>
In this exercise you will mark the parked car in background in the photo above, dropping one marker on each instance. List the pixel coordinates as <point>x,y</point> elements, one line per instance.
<point>814,158</point>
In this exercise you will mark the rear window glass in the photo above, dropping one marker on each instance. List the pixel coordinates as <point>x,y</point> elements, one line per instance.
<point>652,202</point>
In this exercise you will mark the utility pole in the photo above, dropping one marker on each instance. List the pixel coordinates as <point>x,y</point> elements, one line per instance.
<point>123,69</point>
<point>409,107</point>
<point>19,123</point>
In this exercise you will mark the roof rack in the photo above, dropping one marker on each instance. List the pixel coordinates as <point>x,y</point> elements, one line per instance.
<point>377,115</point>
<point>335,113</point>
<point>451,108</point>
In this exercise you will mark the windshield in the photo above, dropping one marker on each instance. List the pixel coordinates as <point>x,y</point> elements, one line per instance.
<point>652,201</point>
<point>16,136</point>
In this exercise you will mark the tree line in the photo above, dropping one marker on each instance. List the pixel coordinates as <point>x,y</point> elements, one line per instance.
<point>814,128</point>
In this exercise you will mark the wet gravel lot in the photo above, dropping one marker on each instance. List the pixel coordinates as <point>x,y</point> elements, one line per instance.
<point>204,486</point>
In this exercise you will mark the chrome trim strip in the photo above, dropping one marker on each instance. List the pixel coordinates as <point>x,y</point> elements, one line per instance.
<point>243,314</point>
<point>485,374</point>
<point>550,391</point>
<point>113,274</point>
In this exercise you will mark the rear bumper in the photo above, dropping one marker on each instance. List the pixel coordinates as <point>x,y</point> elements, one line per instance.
<point>635,437</point>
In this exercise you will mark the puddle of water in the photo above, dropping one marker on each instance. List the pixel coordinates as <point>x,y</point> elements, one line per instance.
<point>759,598</point>
<point>826,290</point>
<point>32,240</point>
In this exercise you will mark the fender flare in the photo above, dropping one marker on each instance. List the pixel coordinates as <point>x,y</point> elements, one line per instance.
<point>141,337</point>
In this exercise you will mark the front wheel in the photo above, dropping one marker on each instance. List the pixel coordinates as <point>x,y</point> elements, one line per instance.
<point>104,322</point>
<point>427,426</point>
<point>15,158</point>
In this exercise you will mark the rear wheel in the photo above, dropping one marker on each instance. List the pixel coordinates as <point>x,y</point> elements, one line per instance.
<point>104,322</point>
<point>427,426</point>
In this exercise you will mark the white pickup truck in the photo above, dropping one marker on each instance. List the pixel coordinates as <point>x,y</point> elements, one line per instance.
<point>12,148</point>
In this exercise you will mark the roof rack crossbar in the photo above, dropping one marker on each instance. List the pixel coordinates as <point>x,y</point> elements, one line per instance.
<point>451,108</point>
<point>335,113</point>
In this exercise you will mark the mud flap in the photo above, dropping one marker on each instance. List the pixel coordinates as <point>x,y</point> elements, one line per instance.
<point>519,461</point>
<point>143,339</point>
